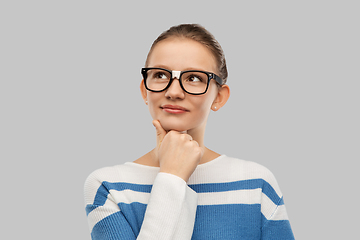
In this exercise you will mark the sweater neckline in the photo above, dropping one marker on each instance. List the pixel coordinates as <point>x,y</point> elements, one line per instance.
<point>157,168</point>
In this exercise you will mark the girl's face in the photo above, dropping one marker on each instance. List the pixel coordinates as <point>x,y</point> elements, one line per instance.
<point>174,108</point>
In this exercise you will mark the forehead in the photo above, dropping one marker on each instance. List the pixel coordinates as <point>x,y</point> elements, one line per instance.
<point>182,54</point>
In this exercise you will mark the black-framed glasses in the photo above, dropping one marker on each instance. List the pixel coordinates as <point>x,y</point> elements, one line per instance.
<point>194,82</point>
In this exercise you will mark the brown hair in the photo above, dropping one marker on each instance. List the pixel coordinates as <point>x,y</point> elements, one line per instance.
<point>200,34</point>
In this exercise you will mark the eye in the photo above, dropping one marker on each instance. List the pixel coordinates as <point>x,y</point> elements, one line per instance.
<point>161,75</point>
<point>194,78</point>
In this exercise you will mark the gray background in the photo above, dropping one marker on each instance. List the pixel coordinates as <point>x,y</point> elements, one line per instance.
<point>70,103</point>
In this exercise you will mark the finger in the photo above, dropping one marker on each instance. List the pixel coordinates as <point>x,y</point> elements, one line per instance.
<point>185,136</point>
<point>160,132</point>
<point>190,137</point>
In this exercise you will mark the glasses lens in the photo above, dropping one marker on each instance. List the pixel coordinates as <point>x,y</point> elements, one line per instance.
<point>194,82</point>
<point>157,79</point>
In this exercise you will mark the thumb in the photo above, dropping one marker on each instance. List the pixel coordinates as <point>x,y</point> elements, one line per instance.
<point>160,132</point>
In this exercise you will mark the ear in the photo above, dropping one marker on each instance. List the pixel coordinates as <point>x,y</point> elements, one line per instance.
<point>221,97</point>
<point>143,91</point>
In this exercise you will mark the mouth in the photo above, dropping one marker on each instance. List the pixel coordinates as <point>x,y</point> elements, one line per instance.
<point>174,109</point>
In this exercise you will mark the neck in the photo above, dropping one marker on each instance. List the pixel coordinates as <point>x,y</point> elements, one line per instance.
<point>198,136</point>
<point>151,158</point>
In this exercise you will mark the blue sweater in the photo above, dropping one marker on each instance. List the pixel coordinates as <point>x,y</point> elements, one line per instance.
<point>226,198</point>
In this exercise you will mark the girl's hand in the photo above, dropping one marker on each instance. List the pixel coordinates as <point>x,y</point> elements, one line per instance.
<point>177,152</point>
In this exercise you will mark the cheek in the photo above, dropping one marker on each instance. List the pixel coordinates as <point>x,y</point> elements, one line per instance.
<point>152,102</point>
<point>203,106</point>
<point>207,99</point>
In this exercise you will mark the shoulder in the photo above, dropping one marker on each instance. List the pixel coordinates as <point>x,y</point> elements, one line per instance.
<point>234,169</point>
<point>95,180</point>
<point>127,172</point>
<point>110,174</point>
<point>104,179</point>
<point>240,167</point>
<point>249,170</point>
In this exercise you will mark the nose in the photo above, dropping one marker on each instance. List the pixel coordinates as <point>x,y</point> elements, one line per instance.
<point>175,91</point>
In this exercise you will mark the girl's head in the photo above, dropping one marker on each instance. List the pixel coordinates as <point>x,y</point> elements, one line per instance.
<point>185,48</point>
<point>201,35</point>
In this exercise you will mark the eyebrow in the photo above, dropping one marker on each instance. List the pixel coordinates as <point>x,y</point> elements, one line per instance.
<point>186,69</point>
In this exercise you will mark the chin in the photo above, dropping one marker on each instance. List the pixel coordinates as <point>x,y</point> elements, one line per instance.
<point>175,127</point>
<point>178,129</point>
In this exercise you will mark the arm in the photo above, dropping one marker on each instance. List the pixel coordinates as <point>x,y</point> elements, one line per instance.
<point>170,213</point>
<point>276,223</point>
<point>105,219</point>
<point>171,210</point>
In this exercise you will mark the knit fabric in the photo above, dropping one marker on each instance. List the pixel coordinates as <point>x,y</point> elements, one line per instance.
<point>226,198</point>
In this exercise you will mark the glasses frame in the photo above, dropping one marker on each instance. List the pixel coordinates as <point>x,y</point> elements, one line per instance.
<point>178,75</point>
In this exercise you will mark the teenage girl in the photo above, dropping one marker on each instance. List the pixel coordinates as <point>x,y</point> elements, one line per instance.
<point>181,189</point>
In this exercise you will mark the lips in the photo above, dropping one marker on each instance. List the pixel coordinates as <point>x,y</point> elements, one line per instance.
<point>174,109</point>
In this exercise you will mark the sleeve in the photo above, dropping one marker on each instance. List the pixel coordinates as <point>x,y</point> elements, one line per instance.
<point>275,223</point>
<point>170,212</point>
